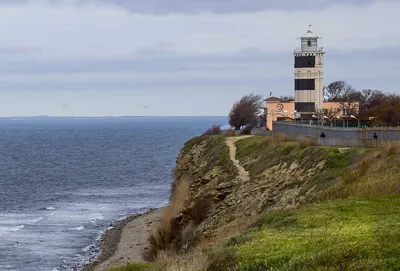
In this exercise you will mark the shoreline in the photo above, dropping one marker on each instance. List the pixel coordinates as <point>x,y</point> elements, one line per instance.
<point>124,242</point>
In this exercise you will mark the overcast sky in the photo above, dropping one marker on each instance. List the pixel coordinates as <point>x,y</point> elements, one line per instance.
<point>182,57</point>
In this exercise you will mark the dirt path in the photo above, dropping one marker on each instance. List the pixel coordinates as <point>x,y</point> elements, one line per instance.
<point>243,174</point>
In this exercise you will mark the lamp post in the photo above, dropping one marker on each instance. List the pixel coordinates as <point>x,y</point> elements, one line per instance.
<point>354,117</point>
<point>314,116</point>
<point>325,118</point>
<point>337,116</point>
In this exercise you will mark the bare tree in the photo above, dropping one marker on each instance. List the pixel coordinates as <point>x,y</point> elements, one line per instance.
<point>245,111</point>
<point>334,91</point>
<point>345,95</point>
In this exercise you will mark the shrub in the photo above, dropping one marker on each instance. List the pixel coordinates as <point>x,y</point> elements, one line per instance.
<point>229,133</point>
<point>247,130</point>
<point>214,130</point>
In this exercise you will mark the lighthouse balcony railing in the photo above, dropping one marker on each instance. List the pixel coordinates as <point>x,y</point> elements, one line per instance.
<point>300,50</point>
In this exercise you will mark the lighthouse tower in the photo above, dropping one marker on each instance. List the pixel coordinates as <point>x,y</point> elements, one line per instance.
<point>308,74</point>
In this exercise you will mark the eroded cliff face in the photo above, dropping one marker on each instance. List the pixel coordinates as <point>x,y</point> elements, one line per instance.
<point>280,177</point>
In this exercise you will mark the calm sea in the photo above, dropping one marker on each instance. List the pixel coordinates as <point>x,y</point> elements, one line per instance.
<point>64,180</point>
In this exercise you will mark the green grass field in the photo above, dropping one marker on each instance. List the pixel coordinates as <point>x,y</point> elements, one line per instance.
<point>345,234</point>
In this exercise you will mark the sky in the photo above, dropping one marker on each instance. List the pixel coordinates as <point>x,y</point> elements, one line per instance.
<point>182,57</point>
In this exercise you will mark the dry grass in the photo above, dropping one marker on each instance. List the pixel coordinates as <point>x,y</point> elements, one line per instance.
<point>307,142</point>
<point>386,184</point>
<point>199,211</point>
<point>177,232</point>
<point>196,262</point>
<point>371,175</point>
<point>272,140</point>
<point>167,233</point>
<point>391,148</point>
<point>179,195</point>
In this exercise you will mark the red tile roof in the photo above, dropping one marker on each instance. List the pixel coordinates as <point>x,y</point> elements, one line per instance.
<point>273,99</point>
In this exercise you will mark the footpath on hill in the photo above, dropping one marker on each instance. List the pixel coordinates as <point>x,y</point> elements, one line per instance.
<point>243,174</point>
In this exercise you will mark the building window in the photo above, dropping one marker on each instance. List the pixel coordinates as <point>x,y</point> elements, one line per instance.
<point>309,43</point>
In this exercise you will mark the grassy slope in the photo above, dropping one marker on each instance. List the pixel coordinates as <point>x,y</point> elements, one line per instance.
<point>349,234</point>
<point>356,230</point>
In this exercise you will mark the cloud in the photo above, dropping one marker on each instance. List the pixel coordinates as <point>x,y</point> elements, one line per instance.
<point>223,6</point>
<point>73,52</point>
<point>18,50</point>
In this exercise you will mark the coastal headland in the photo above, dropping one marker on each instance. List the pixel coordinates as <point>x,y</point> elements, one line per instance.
<point>267,202</point>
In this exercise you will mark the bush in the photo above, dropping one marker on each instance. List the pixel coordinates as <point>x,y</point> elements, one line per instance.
<point>214,130</point>
<point>247,130</point>
<point>229,133</point>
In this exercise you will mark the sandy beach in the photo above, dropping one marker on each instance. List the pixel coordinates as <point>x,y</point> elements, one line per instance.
<point>125,242</point>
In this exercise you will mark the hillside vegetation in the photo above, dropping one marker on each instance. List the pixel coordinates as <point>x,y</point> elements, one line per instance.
<point>305,207</point>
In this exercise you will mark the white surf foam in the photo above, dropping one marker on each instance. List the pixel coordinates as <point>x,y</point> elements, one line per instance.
<point>11,229</point>
<point>80,228</point>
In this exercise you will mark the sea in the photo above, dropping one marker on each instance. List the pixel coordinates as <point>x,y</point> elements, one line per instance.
<point>64,181</point>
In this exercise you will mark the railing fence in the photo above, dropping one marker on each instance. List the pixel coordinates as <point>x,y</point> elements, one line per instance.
<point>334,136</point>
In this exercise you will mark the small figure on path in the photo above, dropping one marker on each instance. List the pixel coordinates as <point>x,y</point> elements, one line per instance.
<point>375,136</point>
<point>323,135</point>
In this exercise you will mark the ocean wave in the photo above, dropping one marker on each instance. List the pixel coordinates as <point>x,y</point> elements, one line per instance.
<point>80,228</point>
<point>12,229</point>
<point>19,220</point>
<point>36,220</point>
<point>50,208</point>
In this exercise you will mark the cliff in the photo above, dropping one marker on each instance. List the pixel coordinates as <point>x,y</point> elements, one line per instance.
<point>282,175</point>
<point>267,203</point>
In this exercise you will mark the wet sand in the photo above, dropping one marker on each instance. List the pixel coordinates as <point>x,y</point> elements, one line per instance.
<point>125,242</point>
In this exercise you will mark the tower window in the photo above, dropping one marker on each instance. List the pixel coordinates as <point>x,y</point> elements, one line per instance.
<point>304,61</point>
<point>309,43</point>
